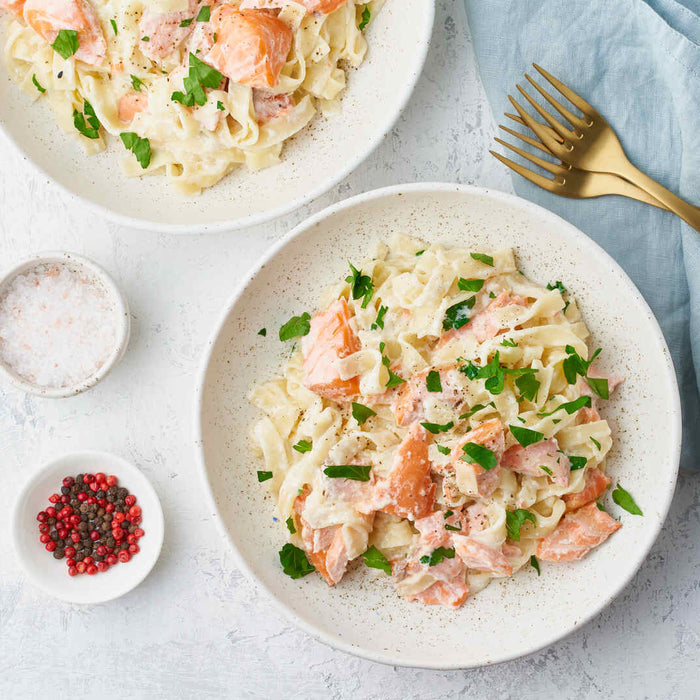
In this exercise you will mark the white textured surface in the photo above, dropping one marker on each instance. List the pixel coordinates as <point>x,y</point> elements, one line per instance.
<point>196,627</point>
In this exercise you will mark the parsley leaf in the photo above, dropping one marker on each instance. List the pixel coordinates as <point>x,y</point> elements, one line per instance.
<point>525,436</point>
<point>114,26</point>
<point>394,379</point>
<point>557,285</point>
<point>438,555</point>
<point>303,446</point>
<point>535,564</point>
<point>625,500</point>
<point>186,22</point>
<point>220,106</point>
<point>515,520</point>
<point>262,332</point>
<point>478,454</point>
<point>436,428</point>
<point>136,83</point>
<point>145,38</point>
<point>37,85</point>
<point>595,442</point>
<point>570,407</point>
<point>443,450</point>
<point>289,522</point>
<point>362,287</point>
<point>456,315</point>
<point>361,413</point>
<point>379,321</point>
<point>295,327</point>
<point>432,382</point>
<point>474,409</point>
<point>447,514</point>
<point>376,560</point>
<point>364,20</point>
<point>89,127</point>
<point>66,43</point>
<point>204,13</point>
<point>419,253</point>
<point>528,386</point>
<point>200,76</point>
<point>508,343</point>
<point>354,472</point>
<point>546,470</point>
<point>141,148</point>
<point>470,285</point>
<point>470,369</point>
<point>294,561</point>
<point>574,365</point>
<point>483,258</point>
<point>453,528</point>
<point>577,462</point>
<point>264,476</point>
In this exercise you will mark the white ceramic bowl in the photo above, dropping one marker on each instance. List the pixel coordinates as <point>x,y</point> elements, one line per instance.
<point>51,575</point>
<point>362,615</point>
<point>312,163</point>
<point>121,313</point>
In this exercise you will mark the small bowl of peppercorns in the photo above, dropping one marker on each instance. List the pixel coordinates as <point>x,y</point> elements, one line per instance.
<point>88,527</point>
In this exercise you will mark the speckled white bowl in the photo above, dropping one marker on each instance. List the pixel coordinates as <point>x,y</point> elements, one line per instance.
<point>313,162</point>
<point>51,575</point>
<point>512,617</point>
<point>121,313</point>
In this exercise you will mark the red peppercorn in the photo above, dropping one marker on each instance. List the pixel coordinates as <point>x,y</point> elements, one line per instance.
<point>82,496</point>
<point>45,538</point>
<point>118,533</point>
<point>102,502</point>
<point>54,498</point>
<point>130,500</point>
<point>101,550</point>
<point>70,562</point>
<point>112,559</point>
<point>135,511</point>
<point>72,571</point>
<point>87,478</point>
<point>44,527</point>
<point>91,569</point>
<point>112,480</point>
<point>66,511</point>
<point>100,476</point>
<point>75,536</point>
<point>68,481</point>
<point>91,500</point>
<point>50,546</point>
<point>124,556</point>
<point>131,539</point>
<point>119,517</point>
<point>135,519</point>
<point>134,548</point>
<point>65,498</point>
<point>109,507</point>
<point>139,532</point>
<point>63,533</point>
<point>75,519</point>
<point>93,485</point>
<point>41,516</point>
<point>51,512</point>
<point>70,551</point>
<point>88,560</point>
<point>102,566</point>
<point>94,535</point>
<point>81,566</point>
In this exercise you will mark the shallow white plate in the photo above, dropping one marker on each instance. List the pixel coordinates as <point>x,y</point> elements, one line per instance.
<point>510,618</point>
<point>313,162</point>
<point>51,575</point>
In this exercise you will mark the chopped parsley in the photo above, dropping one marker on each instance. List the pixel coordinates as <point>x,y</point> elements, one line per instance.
<point>453,528</point>
<point>114,27</point>
<point>574,365</point>
<point>546,470</point>
<point>294,561</point>
<point>508,343</point>
<point>443,450</point>
<point>570,407</point>
<point>394,379</point>
<point>262,332</point>
<point>577,462</point>
<point>379,321</point>
<point>200,76</point>
<point>478,454</point>
<point>361,285</point>
<point>482,258</point>
<point>528,386</point>
<point>289,522</point>
<point>186,22</point>
<point>303,446</point>
<point>145,38</point>
<point>535,564</point>
<point>66,43</point>
<point>525,436</point>
<point>595,442</point>
<point>364,20</point>
<point>204,13</point>
<point>470,369</point>
<point>419,253</point>
<point>436,428</point>
<point>141,148</point>
<point>438,555</point>
<point>354,472</point>
<point>86,122</point>
<point>37,85</point>
<point>220,106</point>
<point>515,520</point>
<point>137,83</point>
<point>361,413</point>
<point>474,409</point>
<point>264,476</point>
<point>432,382</point>
<point>376,560</point>
<point>296,326</point>
<point>470,285</point>
<point>600,506</point>
<point>557,285</point>
<point>456,315</point>
<point>447,514</point>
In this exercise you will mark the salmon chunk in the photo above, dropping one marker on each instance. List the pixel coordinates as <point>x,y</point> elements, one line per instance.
<point>481,557</point>
<point>482,482</point>
<point>130,105</point>
<point>268,107</point>
<point>48,17</point>
<point>322,7</point>
<point>251,46</point>
<point>330,338</point>
<point>13,6</point>
<point>577,534</point>
<point>595,484</point>
<point>407,490</point>
<point>164,31</point>
<point>409,403</point>
<point>434,534</point>
<point>530,460</point>
<point>451,593</point>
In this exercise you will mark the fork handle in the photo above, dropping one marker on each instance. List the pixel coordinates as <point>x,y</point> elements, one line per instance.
<point>686,211</point>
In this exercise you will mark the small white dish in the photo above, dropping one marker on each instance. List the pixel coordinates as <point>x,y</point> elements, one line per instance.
<point>51,575</point>
<point>313,162</point>
<point>121,314</point>
<point>363,615</point>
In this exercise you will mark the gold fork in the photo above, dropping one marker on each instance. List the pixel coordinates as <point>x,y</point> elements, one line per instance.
<point>591,145</point>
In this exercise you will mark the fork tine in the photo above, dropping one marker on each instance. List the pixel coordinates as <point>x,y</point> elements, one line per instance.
<point>532,142</point>
<point>540,131</point>
<point>539,180</point>
<point>566,113</point>
<point>546,164</point>
<point>559,128</point>
<point>570,95</point>
<point>549,130</point>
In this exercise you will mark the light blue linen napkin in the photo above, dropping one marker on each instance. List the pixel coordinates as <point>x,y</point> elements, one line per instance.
<point>638,64</point>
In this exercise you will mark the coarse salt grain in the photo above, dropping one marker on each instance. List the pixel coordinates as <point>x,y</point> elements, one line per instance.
<point>58,325</point>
